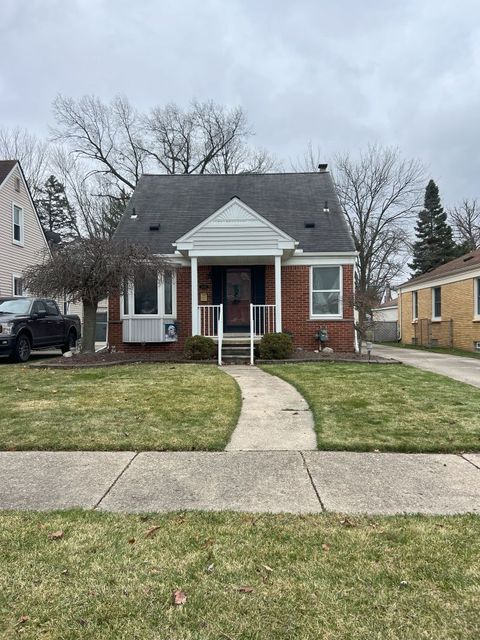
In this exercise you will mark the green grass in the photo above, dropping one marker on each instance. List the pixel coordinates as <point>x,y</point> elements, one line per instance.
<point>444,350</point>
<point>132,407</point>
<point>359,407</point>
<point>310,577</point>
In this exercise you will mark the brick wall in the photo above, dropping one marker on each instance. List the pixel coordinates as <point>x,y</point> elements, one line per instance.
<point>295,310</point>
<point>457,305</point>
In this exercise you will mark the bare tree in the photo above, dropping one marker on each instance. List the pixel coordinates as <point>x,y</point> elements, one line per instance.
<point>97,202</point>
<point>466,223</point>
<point>119,143</point>
<point>380,192</point>
<point>91,269</point>
<point>107,135</point>
<point>31,151</point>
<point>309,161</point>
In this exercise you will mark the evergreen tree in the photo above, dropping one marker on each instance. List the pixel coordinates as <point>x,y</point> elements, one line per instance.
<point>54,210</point>
<point>435,244</point>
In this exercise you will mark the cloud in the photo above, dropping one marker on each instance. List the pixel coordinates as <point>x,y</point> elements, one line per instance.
<point>339,74</point>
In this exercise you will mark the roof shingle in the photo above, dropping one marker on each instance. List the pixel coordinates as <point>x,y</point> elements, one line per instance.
<point>287,200</point>
<point>464,263</point>
<point>5,167</point>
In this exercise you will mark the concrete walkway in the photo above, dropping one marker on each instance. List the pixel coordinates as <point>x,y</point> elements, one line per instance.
<point>459,368</point>
<point>274,416</point>
<point>252,481</point>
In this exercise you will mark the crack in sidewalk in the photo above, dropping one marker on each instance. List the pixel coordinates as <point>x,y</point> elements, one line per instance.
<point>312,482</point>
<point>470,461</point>
<point>116,480</point>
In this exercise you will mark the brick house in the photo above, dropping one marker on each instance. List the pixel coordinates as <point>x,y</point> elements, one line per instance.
<point>442,307</point>
<point>249,253</point>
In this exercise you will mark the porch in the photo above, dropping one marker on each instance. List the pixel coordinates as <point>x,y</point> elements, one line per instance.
<point>236,305</point>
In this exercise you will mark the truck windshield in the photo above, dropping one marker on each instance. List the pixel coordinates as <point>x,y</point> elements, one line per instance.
<point>14,305</point>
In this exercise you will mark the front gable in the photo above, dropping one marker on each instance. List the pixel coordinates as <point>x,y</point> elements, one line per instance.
<point>235,227</point>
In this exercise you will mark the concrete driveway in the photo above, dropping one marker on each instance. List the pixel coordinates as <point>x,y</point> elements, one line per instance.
<point>459,368</point>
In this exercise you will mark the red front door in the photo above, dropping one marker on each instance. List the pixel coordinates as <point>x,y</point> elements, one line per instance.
<point>238,296</point>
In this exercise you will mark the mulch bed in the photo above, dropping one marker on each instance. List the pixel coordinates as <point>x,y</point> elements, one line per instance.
<point>106,359</point>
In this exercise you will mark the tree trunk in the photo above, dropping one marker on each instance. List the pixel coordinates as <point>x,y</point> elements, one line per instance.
<point>89,326</point>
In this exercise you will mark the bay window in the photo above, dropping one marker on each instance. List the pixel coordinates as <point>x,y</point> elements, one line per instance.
<point>326,292</point>
<point>150,296</point>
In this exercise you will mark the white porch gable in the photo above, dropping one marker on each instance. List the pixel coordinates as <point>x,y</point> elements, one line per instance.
<point>235,230</point>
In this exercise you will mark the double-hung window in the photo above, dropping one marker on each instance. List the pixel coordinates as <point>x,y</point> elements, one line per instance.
<point>17,285</point>
<point>17,225</point>
<point>414,305</point>
<point>326,292</point>
<point>436,303</point>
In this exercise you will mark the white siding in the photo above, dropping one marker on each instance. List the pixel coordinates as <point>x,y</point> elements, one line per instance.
<point>14,258</point>
<point>235,227</point>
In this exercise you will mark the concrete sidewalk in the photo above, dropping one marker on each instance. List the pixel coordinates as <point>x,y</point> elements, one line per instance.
<point>274,415</point>
<point>463,369</point>
<point>253,481</point>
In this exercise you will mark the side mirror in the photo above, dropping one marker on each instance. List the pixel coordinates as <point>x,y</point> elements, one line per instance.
<point>39,314</point>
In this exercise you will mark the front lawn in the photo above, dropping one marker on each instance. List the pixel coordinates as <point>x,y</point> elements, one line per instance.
<point>131,407</point>
<point>359,407</point>
<point>240,577</point>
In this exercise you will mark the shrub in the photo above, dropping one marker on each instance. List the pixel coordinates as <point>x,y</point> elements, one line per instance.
<point>200,348</point>
<point>276,346</point>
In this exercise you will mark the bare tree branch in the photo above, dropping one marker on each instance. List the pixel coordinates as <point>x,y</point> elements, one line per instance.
<point>380,193</point>
<point>466,223</point>
<point>32,152</point>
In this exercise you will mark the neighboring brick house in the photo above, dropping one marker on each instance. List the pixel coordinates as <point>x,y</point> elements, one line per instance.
<point>279,242</point>
<point>442,307</point>
<point>22,239</point>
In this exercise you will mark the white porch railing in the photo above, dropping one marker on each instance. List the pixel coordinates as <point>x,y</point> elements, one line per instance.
<point>210,324</point>
<point>262,321</point>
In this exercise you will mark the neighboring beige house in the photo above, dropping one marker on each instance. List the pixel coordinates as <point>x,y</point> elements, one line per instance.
<point>442,307</point>
<point>22,239</point>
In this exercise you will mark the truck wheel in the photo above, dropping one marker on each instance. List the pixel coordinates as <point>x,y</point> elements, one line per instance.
<point>71,342</point>
<point>23,348</point>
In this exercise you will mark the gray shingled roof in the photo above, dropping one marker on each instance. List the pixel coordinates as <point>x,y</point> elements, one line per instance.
<point>5,167</point>
<point>458,265</point>
<point>288,200</point>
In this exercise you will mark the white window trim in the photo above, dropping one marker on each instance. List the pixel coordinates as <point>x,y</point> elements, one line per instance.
<point>414,298</point>
<point>161,302</point>
<point>476,301</point>
<point>326,316</point>
<point>20,242</point>
<point>17,276</point>
<point>434,317</point>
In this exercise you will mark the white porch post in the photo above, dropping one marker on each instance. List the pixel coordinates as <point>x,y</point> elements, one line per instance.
<point>278,294</point>
<point>194,272</point>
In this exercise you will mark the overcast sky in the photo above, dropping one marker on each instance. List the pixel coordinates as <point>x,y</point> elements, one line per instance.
<point>340,74</point>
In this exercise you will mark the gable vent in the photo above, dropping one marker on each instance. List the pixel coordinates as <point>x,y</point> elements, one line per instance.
<point>309,225</point>
<point>154,227</point>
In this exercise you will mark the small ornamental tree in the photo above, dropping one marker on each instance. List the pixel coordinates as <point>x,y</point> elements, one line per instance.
<point>435,244</point>
<point>90,270</point>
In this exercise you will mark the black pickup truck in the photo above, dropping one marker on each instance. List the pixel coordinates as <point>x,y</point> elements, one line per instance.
<point>34,323</point>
